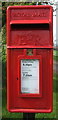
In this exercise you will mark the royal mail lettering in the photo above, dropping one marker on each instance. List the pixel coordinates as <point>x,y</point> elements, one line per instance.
<point>23,14</point>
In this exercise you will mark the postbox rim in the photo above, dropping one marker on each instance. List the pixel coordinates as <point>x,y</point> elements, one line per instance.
<point>30,6</point>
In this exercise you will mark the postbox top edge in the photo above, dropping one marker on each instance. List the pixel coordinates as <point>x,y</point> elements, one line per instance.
<point>29,6</point>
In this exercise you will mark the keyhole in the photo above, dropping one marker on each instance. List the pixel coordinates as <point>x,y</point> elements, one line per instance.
<point>17,78</point>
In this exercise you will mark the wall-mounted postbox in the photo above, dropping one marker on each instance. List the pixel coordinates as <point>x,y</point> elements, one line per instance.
<point>29,58</point>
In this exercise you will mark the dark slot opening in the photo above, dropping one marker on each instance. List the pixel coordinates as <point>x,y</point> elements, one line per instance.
<point>30,26</point>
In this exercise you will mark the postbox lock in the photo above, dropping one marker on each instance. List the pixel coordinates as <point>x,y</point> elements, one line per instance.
<point>17,78</point>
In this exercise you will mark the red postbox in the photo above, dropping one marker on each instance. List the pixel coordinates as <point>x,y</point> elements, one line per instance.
<point>29,58</point>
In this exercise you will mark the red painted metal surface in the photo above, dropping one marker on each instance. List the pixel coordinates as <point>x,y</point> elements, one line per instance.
<point>29,27</point>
